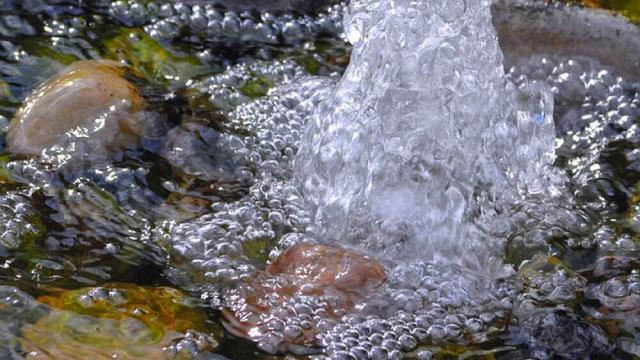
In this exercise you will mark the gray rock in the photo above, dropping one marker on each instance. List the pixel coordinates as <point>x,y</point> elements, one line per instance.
<point>536,27</point>
<point>550,333</point>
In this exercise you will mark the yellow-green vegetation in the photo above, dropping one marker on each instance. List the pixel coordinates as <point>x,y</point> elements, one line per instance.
<point>5,176</point>
<point>151,58</point>
<point>628,8</point>
<point>20,229</point>
<point>539,264</point>
<point>257,87</point>
<point>5,91</point>
<point>43,48</point>
<point>258,250</point>
<point>121,321</point>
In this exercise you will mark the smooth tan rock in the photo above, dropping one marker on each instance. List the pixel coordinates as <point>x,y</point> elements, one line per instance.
<point>90,99</point>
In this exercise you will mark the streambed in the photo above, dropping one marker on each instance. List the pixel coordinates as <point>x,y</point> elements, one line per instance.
<point>139,249</point>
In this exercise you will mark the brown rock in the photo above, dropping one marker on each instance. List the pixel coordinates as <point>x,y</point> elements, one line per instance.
<point>88,99</point>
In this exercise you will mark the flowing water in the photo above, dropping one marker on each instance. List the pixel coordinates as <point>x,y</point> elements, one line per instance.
<point>425,149</point>
<point>498,207</point>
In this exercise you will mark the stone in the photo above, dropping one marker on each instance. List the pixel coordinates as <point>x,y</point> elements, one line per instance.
<point>302,291</point>
<point>300,6</point>
<point>118,321</point>
<point>90,99</point>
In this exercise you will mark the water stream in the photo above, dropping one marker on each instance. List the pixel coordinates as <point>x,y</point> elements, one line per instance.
<point>425,149</point>
<point>346,181</point>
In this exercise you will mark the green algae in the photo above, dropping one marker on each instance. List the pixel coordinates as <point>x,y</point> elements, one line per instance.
<point>628,8</point>
<point>151,58</point>
<point>114,320</point>
<point>257,87</point>
<point>43,48</point>
<point>460,352</point>
<point>19,230</point>
<point>159,308</point>
<point>258,250</point>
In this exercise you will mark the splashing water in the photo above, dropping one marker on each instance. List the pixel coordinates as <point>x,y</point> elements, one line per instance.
<point>425,150</point>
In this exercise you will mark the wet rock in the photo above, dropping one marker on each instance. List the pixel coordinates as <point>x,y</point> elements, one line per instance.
<point>610,266</point>
<point>618,294</point>
<point>301,292</point>
<point>91,100</point>
<point>20,223</point>
<point>299,6</point>
<point>16,309</point>
<point>118,320</point>
<point>329,267</point>
<point>528,27</point>
<point>563,335</point>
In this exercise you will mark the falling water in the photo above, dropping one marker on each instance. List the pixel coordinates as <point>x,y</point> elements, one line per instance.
<point>425,150</point>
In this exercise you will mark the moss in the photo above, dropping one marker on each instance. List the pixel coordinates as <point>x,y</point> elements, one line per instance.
<point>5,91</point>
<point>27,227</point>
<point>5,176</point>
<point>151,58</point>
<point>309,63</point>
<point>159,308</point>
<point>455,351</point>
<point>628,8</point>
<point>42,47</point>
<point>257,250</point>
<point>115,320</point>
<point>257,87</point>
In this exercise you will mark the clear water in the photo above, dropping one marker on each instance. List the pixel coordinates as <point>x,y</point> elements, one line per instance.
<point>425,148</point>
<point>502,204</point>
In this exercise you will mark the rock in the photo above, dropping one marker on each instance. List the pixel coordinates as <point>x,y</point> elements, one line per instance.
<point>118,321</point>
<point>329,267</point>
<point>528,27</point>
<point>20,223</point>
<point>612,265</point>
<point>559,334</point>
<point>16,309</point>
<point>275,308</point>
<point>277,6</point>
<point>90,99</point>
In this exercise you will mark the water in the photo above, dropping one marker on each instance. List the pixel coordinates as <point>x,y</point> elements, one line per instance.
<point>494,245</point>
<point>425,149</point>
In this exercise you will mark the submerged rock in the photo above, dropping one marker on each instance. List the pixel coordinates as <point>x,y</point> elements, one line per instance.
<point>300,293</point>
<point>562,335</point>
<point>300,6</point>
<point>91,100</point>
<point>118,321</point>
<point>528,27</point>
<point>20,224</point>
<point>16,309</point>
